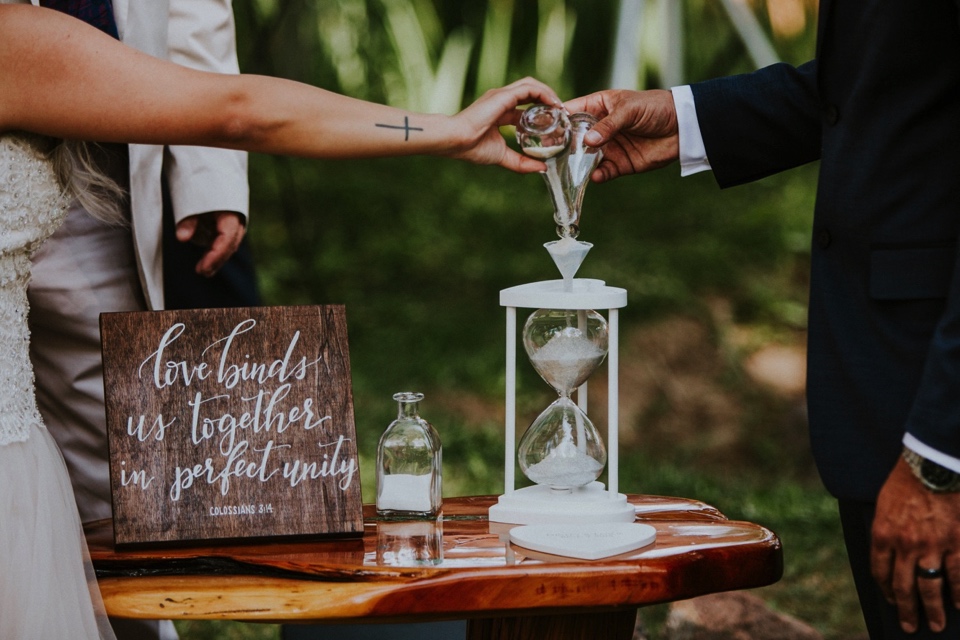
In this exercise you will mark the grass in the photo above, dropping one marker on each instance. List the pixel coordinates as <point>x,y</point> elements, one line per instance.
<point>816,586</point>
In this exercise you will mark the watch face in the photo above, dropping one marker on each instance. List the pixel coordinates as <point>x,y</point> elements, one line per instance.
<point>937,476</point>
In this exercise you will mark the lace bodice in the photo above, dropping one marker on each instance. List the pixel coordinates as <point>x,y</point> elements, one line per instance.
<point>32,205</point>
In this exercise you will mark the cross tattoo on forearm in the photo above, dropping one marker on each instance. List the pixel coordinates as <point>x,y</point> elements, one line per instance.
<point>406,128</point>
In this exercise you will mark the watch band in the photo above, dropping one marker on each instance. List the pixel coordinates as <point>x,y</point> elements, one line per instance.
<point>933,476</point>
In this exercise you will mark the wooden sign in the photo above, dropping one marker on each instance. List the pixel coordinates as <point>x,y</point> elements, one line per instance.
<point>230,423</point>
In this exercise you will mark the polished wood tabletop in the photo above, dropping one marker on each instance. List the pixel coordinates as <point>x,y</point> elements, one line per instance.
<point>505,590</point>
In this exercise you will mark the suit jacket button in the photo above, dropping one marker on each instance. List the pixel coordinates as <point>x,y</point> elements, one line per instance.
<point>823,238</point>
<point>831,115</point>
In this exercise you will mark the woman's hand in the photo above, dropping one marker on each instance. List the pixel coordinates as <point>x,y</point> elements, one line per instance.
<point>483,143</point>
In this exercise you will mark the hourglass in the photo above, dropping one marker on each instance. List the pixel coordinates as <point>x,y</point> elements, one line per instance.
<point>562,448</point>
<point>562,451</point>
<point>566,341</point>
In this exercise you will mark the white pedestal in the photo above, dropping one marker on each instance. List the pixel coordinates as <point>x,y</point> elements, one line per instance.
<point>540,504</point>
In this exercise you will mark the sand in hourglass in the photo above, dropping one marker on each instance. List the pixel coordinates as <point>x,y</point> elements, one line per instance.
<point>565,466</point>
<point>567,359</point>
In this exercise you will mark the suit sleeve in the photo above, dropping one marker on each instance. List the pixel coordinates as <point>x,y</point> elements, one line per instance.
<point>202,36</point>
<point>935,415</point>
<point>761,123</point>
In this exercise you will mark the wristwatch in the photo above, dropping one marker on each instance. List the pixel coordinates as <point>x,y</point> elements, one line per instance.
<point>933,476</point>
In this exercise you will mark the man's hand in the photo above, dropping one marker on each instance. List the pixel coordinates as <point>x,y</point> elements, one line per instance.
<point>915,527</point>
<point>219,231</point>
<point>639,129</point>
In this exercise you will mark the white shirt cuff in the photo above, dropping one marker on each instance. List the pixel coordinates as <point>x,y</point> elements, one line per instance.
<point>930,453</point>
<point>693,155</point>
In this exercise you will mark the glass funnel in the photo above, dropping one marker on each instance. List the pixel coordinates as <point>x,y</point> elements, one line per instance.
<point>562,448</point>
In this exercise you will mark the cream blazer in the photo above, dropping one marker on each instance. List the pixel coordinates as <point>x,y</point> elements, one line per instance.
<point>198,34</point>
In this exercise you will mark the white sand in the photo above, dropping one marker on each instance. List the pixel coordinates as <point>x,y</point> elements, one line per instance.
<point>565,466</point>
<point>566,358</point>
<point>542,153</point>
<point>405,492</point>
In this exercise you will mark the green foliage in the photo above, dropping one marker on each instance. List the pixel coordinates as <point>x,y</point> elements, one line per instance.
<point>418,250</point>
<point>436,55</point>
<point>492,65</point>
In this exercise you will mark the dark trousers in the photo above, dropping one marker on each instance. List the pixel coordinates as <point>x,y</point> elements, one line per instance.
<point>449,630</point>
<point>234,285</point>
<point>881,616</point>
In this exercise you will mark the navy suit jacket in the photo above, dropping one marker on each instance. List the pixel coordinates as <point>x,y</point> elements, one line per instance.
<point>880,108</point>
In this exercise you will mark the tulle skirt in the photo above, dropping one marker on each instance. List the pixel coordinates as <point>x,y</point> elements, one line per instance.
<point>47,587</point>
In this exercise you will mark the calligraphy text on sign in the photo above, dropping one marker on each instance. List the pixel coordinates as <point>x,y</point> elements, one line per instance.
<point>230,423</point>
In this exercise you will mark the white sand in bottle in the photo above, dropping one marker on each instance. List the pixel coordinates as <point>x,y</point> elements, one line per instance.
<point>405,492</point>
<point>581,163</point>
<point>542,153</point>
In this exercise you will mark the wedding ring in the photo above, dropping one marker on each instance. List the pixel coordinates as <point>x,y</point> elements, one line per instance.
<point>928,574</point>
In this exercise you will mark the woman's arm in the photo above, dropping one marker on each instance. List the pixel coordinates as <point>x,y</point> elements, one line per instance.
<point>60,77</point>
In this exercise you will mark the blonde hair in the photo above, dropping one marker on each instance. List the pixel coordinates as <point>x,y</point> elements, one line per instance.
<point>81,178</point>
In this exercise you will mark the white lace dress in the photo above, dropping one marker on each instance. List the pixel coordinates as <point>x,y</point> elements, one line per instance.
<point>47,590</point>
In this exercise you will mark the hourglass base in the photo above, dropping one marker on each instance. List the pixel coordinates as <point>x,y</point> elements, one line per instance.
<point>541,504</point>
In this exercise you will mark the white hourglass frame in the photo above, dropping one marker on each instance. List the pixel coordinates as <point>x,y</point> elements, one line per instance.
<point>538,504</point>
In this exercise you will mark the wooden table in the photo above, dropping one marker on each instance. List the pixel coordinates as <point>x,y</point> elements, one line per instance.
<point>505,591</point>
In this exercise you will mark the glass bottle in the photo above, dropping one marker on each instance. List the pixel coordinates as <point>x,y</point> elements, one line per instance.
<point>543,131</point>
<point>575,167</point>
<point>409,463</point>
<point>549,134</point>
